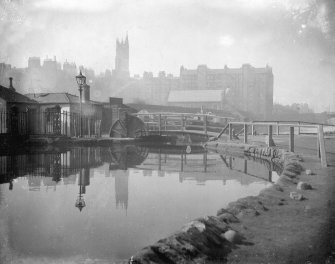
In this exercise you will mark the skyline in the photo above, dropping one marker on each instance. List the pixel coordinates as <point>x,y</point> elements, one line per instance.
<point>296,40</point>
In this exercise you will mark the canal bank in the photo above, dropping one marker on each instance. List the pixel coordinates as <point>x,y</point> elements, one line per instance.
<point>280,225</point>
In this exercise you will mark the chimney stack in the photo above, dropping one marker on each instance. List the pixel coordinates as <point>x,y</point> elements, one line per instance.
<point>11,87</point>
<point>86,93</point>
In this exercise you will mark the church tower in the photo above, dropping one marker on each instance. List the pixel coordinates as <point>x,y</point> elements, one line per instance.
<point>122,59</point>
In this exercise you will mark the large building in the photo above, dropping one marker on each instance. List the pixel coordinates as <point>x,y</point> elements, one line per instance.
<point>247,88</point>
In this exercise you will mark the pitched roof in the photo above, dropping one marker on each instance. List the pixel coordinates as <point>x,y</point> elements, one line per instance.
<point>14,97</point>
<point>56,98</point>
<point>188,96</point>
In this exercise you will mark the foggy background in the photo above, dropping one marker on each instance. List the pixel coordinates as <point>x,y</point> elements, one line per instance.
<point>296,38</point>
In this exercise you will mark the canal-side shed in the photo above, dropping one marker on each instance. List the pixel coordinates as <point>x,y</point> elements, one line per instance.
<point>67,102</point>
<point>14,110</point>
<point>66,107</point>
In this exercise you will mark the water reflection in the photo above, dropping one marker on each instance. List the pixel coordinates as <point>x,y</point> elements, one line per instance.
<point>70,166</point>
<point>123,195</point>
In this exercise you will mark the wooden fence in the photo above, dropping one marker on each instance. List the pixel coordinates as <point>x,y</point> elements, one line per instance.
<point>291,128</point>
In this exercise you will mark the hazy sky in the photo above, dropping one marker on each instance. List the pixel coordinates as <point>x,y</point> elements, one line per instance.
<point>295,37</point>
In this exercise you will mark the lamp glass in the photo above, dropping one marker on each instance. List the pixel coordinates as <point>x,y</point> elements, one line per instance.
<point>81,79</point>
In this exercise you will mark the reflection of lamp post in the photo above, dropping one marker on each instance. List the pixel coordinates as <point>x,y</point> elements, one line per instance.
<point>80,202</point>
<point>81,81</point>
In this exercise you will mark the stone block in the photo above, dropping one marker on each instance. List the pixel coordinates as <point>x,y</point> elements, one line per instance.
<point>304,186</point>
<point>296,196</point>
<point>230,235</point>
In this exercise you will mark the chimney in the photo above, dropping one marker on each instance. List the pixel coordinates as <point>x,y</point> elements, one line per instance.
<point>11,87</point>
<point>86,93</point>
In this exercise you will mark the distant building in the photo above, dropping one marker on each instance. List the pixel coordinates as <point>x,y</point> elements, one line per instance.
<point>122,59</point>
<point>247,88</point>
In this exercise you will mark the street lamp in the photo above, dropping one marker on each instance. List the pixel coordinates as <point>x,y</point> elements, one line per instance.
<point>81,81</point>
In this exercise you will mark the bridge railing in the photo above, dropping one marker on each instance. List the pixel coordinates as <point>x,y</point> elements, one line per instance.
<point>290,128</point>
<point>183,121</point>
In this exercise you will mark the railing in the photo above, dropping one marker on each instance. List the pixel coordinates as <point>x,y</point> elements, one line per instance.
<point>49,123</point>
<point>234,129</point>
<point>13,123</point>
<point>183,121</point>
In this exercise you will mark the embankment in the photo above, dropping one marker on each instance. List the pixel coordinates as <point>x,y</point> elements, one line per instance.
<point>268,228</point>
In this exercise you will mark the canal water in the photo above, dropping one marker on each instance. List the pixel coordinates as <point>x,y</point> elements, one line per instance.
<point>101,205</point>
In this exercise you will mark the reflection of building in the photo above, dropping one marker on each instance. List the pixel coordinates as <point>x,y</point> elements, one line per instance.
<point>49,168</point>
<point>121,188</point>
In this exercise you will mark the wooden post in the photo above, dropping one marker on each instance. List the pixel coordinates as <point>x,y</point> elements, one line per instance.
<point>277,128</point>
<point>270,143</point>
<point>89,126</point>
<point>205,162</point>
<point>318,146</point>
<point>182,122</point>
<point>205,124</point>
<point>291,139</point>
<point>66,124</point>
<point>298,128</point>
<point>245,133</point>
<point>322,147</point>
<point>252,130</point>
<point>230,131</point>
<point>159,123</point>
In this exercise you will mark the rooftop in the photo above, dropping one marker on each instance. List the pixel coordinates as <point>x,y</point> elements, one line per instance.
<point>187,96</point>
<point>55,98</point>
<point>14,97</point>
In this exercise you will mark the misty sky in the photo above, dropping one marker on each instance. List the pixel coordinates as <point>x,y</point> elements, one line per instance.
<point>296,38</point>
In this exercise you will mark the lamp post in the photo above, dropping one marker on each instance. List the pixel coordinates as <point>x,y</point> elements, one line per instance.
<point>81,81</point>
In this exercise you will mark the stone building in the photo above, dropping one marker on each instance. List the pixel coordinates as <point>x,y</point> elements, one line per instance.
<point>247,88</point>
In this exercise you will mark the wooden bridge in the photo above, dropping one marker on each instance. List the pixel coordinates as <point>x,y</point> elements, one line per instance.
<point>186,127</point>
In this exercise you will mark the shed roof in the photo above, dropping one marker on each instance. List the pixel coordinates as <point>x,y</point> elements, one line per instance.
<point>56,98</point>
<point>188,96</point>
<point>14,97</point>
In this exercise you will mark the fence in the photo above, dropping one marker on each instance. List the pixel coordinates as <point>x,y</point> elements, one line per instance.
<point>266,128</point>
<point>49,123</point>
<point>13,123</point>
